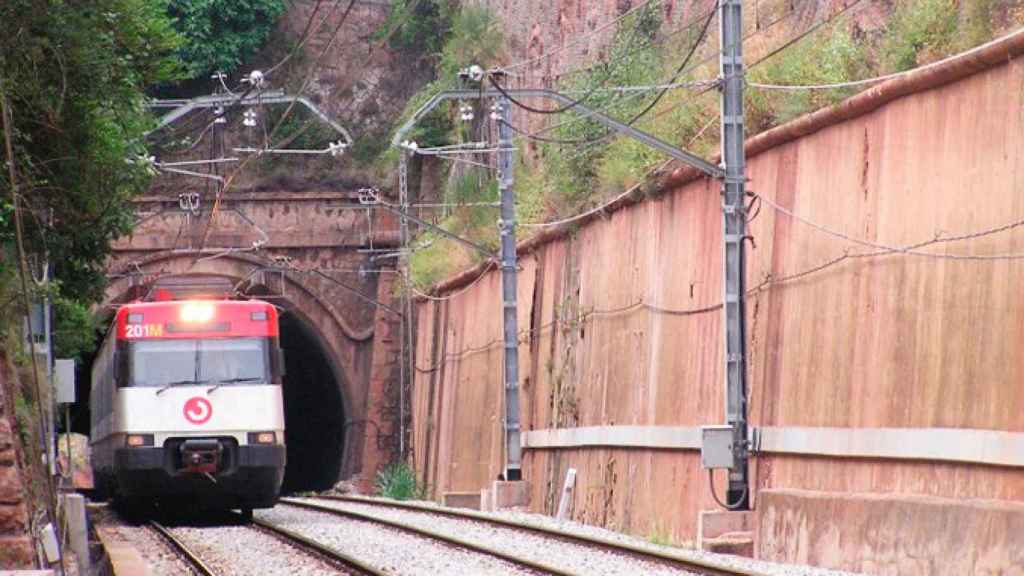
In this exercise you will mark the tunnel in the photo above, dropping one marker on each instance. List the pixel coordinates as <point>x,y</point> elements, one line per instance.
<point>313,410</point>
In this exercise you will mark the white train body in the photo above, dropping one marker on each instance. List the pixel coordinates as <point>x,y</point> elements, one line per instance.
<point>188,406</point>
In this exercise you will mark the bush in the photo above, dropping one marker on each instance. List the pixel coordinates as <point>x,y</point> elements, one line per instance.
<point>919,28</point>
<point>398,482</point>
<point>221,34</point>
<point>830,57</point>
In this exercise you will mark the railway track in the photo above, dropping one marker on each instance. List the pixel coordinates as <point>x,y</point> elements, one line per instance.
<point>351,565</point>
<point>693,566</point>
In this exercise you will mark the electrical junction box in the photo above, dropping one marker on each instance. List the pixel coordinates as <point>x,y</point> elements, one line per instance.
<point>64,380</point>
<point>716,447</point>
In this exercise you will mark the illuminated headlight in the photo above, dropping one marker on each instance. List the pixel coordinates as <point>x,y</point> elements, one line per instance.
<point>262,438</point>
<point>196,312</point>
<point>138,440</point>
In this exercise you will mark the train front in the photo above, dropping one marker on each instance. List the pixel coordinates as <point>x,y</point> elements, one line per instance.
<point>199,403</point>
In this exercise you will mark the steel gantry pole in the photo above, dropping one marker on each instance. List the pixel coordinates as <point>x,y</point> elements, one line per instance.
<point>507,228</point>
<point>734,232</point>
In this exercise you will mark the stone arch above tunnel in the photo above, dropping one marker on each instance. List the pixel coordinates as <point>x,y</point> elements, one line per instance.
<point>315,313</point>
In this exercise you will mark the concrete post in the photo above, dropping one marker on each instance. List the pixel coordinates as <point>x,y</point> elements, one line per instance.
<point>78,532</point>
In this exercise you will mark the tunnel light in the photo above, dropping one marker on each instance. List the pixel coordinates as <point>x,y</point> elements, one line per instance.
<point>196,312</point>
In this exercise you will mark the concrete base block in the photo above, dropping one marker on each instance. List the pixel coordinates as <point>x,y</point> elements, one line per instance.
<point>715,523</point>
<point>510,494</point>
<point>891,533</point>
<point>470,500</point>
<point>486,503</point>
<point>726,532</point>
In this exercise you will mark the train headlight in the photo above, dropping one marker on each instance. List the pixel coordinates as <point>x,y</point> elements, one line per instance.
<point>196,312</point>
<point>262,438</point>
<point>138,440</point>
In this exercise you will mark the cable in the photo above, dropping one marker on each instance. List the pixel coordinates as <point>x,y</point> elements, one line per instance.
<point>608,66</point>
<point>608,133</point>
<point>884,77</point>
<point>909,250</point>
<point>461,291</point>
<point>806,33</point>
<point>306,81</point>
<point>739,503</point>
<point>536,135</point>
<point>578,39</point>
<point>306,35</point>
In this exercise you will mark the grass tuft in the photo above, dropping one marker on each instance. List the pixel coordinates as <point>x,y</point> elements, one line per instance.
<point>398,482</point>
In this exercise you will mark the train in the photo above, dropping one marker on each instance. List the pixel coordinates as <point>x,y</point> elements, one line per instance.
<point>186,406</point>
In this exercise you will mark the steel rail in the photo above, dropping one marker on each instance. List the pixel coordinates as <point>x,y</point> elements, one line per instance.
<point>431,535</point>
<point>706,567</point>
<point>302,542</point>
<point>184,551</point>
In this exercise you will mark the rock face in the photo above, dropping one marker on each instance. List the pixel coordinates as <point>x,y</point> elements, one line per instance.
<point>359,80</point>
<point>15,544</point>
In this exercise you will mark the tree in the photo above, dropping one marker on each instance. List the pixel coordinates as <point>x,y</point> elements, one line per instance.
<point>74,74</point>
<point>220,34</point>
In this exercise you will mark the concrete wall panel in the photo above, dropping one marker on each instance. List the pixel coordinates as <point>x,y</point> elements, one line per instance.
<point>627,332</point>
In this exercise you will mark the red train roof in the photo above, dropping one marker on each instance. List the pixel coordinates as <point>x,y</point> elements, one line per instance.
<point>196,319</point>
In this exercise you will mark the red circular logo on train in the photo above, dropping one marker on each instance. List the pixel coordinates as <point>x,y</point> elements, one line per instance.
<point>198,410</point>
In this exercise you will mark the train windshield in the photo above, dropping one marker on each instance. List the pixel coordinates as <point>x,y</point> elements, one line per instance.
<point>234,361</point>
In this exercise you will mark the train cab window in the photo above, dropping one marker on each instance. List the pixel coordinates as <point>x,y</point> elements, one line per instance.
<point>233,361</point>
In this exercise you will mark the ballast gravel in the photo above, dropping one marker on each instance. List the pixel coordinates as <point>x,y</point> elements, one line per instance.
<point>560,554</point>
<point>390,550</point>
<point>571,527</point>
<point>155,551</point>
<point>244,550</point>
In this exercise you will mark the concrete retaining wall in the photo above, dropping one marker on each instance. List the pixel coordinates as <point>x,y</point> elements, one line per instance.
<point>621,319</point>
<point>890,534</point>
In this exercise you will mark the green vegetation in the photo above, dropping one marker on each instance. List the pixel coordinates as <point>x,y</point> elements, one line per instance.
<point>221,34</point>
<point>398,481</point>
<point>74,76</point>
<point>920,29</point>
<point>417,26</point>
<point>557,180</point>
<point>831,57</point>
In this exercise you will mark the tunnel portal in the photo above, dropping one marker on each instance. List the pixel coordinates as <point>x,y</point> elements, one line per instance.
<point>313,410</point>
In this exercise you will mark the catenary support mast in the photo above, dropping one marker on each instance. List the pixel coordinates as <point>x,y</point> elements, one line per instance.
<point>734,236</point>
<point>507,228</point>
